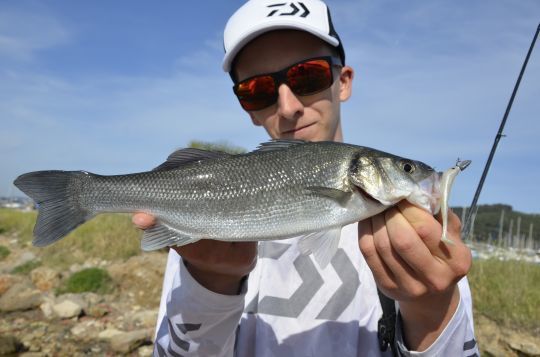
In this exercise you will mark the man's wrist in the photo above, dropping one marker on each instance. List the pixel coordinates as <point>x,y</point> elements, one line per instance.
<point>215,282</point>
<point>425,319</point>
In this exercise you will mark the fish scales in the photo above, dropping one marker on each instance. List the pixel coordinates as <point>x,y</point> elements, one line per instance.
<point>281,190</point>
<point>266,191</point>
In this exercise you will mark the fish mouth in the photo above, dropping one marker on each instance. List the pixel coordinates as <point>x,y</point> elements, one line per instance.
<point>428,193</point>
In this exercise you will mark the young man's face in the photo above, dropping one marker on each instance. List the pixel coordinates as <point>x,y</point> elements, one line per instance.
<point>314,117</point>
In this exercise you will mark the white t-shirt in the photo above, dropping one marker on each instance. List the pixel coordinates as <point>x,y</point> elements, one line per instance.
<point>291,307</point>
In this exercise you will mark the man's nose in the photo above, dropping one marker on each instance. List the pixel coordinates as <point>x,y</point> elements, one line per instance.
<point>289,106</point>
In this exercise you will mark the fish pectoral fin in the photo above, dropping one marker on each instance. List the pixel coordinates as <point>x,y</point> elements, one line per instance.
<point>340,196</point>
<point>189,155</point>
<point>323,245</point>
<point>162,235</point>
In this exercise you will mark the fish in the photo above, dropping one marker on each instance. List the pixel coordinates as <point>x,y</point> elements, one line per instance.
<point>282,189</point>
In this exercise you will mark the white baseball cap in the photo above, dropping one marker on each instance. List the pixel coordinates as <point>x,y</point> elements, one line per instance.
<point>256,17</point>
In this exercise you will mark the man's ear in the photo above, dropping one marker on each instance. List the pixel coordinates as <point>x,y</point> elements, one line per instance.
<point>345,83</point>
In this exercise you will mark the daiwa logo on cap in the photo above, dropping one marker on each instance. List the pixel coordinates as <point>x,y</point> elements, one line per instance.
<point>257,17</point>
<point>294,9</point>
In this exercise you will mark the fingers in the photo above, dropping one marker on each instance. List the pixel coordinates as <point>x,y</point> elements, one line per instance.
<point>416,254</point>
<point>143,220</point>
<point>403,248</point>
<point>456,257</point>
<point>382,273</point>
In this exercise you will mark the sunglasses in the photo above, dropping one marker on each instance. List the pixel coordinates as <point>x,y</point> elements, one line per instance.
<point>304,78</point>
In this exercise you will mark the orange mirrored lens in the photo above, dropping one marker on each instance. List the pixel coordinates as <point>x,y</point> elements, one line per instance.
<point>256,93</point>
<point>309,77</point>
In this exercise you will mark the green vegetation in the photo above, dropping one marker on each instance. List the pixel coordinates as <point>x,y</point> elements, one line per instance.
<point>16,222</point>
<point>107,236</point>
<point>507,292</point>
<point>218,146</point>
<point>27,267</point>
<point>488,219</point>
<point>88,280</point>
<point>4,252</point>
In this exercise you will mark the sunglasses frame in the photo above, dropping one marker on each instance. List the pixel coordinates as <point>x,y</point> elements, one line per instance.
<point>280,77</point>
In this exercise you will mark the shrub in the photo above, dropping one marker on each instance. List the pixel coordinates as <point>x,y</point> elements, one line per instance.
<point>95,280</point>
<point>26,267</point>
<point>4,252</point>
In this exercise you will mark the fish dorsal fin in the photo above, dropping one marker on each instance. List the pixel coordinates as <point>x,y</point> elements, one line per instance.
<point>189,155</point>
<point>340,196</point>
<point>161,235</point>
<point>323,245</point>
<point>279,144</point>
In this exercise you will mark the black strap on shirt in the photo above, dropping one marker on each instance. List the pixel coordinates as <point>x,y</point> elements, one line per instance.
<point>387,324</point>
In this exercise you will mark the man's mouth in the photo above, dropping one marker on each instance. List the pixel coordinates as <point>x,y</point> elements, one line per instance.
<point>295,130</point>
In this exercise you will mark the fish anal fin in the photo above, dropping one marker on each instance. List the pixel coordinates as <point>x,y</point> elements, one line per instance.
<point>323,245</point>
<point>161,235</point>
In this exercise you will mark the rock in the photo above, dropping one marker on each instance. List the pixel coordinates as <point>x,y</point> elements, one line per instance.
<point>67,309</point>
<point>109,334</point>
<point>15,260</point>
<point>8,345</point>
<point>21,296</point>
<point>47,310</point>
<point>6,282</point>
<point>46,306</point>
<point>78,299</point>
<point>92,298</point>
<point>145,351</point>
<point>144,318</point>
<point>522,345</point>
<point>129,341</point>
<point>86,330</point>
<point>45,278</point>
<point>142,274</point>
<point>98,311</point>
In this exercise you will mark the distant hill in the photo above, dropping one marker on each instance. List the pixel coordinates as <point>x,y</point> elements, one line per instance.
<point>488,220</point>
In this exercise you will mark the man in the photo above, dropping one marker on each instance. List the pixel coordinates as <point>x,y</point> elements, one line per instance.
<point>224,299</point>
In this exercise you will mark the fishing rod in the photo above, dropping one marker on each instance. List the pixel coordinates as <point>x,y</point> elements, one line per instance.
<point>471,214</point>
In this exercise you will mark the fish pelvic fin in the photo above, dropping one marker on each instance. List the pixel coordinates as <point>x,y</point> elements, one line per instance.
<point>323,245</point>
<point>60,210</point>
<point>162,235</point>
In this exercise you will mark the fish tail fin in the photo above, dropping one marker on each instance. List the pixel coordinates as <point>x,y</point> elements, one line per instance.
<point>56,194</point>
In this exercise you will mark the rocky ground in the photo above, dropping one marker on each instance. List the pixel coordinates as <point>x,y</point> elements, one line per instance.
<point>36,322</point>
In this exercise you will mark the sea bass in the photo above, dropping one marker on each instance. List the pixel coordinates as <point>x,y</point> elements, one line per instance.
<point>283,189</point>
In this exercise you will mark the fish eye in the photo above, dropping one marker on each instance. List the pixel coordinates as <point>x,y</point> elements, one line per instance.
<point>407,167</point>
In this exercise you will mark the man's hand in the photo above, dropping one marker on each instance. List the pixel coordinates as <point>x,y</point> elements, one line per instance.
<point>218,266</point>
<point>411,265</point>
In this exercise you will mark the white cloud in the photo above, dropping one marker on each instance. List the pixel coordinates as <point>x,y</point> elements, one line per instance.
<point>22,34</point>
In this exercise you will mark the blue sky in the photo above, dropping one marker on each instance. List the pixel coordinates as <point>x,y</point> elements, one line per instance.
<point>114,87</point>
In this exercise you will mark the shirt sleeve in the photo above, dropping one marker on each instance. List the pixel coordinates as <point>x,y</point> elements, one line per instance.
<point>457,339</point>
<point>194,321</point>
